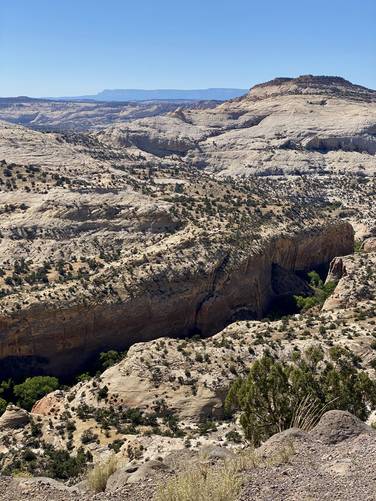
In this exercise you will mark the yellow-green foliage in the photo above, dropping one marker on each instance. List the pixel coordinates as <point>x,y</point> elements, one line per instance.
<point>205,482</point>
<point>202,484</point>
<point>98,476</point>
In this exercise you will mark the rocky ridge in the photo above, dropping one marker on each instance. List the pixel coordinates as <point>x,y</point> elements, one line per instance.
<point>310,125</point>
<point>43,114</point>
<point>92,233</point>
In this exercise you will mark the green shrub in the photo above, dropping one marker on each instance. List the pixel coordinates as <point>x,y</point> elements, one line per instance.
<point>3,406</point>
<point>315,279</point>
<point>202,483</point>
<point>321,293</point>
<point>276,395</point>
<point>61,465</point>
<point>34,388</point>
<point>234,436</point>
<point>109,358</point>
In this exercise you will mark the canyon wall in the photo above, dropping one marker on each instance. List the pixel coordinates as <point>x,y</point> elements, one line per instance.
<point>44,339</point>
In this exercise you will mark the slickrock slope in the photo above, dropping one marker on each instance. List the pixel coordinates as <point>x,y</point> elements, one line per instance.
<point>100,249</point>
<point>192,376</point>
<point>135,237</point>
<point>188,379</point>
<point>304,125</point>
<point>60,339</point>
<point>42,114</point>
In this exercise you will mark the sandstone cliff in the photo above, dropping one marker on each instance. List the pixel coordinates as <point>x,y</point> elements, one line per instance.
<point>61,340</point>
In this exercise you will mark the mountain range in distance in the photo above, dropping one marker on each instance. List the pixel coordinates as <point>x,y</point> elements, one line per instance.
<point>212,94</point>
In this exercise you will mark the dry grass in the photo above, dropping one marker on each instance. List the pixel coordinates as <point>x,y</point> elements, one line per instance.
<point>308,413</point>
<point>202,484</point>
<point>282,455</point>
<point>207,482</point>
<point>98,476</point>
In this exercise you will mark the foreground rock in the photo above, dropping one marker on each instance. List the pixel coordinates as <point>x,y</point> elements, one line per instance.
<point>314,468</point>
<point>336,426</point>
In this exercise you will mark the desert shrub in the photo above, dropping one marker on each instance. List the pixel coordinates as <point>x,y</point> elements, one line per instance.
<point>81,378</point>
<point>88,436</point>
<point>98,476</point>
<point>234,436</point>
<point>321,293</point>
<point>109,358</point>
<point>275,392</point>
<point>357,246</point>
<point>3,406</point>
<point>61,465</point>
<point>116,445</point>
<point>203,482</point>
<point>34,388</point>
<point>315,279</point>
<point>103,392</point>
<point>6,389</point>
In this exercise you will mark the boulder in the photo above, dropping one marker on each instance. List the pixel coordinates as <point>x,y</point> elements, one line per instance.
<point>134,473</point>
<point>14,417</point>
<point>336,426</point>
<point>117,480</point>
<point>214,452</point>
<point>292,437</point>
<point>48,402</point>
<point>146,470</point>
<point>369,245</point>
<point>46,481</point>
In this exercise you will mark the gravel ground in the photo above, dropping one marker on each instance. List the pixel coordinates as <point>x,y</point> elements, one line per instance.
<point>345,471</point>
<point>335,461</point>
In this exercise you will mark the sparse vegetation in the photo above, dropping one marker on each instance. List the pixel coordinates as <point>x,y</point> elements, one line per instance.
<point>321,292</point>
<point>205,482</point>
<point>98,476</point>
<point>274,392</point>
<point>34,388</point>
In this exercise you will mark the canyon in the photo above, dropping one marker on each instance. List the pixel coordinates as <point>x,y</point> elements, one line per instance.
<point>173,234</point>
<point>108,224</point>
<point>60,341</point>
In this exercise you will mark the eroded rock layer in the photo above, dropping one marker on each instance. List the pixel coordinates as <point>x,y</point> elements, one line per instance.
<point>61,340</point>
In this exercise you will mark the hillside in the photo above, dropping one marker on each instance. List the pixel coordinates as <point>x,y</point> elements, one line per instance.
<point>287,126</point>
<point>82,115</point>
<point>149,265</point>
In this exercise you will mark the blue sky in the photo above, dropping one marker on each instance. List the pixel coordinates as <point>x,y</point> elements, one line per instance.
<point>66,47</point>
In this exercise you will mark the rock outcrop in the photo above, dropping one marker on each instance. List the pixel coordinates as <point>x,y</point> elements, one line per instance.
<point>310,124</point>
<point>336,426</point>
<point>43,114</point>
<point>61,340</point>
<point>14,417</point>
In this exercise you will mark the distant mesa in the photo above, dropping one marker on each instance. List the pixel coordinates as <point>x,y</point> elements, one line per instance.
<point>213,94</point>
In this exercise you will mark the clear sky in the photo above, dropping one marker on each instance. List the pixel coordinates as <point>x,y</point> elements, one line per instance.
<point>75,47</point>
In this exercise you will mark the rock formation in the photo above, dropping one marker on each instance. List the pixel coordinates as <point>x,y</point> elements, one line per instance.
<point>157,237</point>
<point>61,340</point>
<point>310,125</point>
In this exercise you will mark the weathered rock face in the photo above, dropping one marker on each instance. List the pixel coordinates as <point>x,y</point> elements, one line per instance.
<point>307,124</point>
<point>13,417</point>
<point>58,115</point>
<point>355,282</point>
<point>369,245</point>
<point>61,341</point>
<point>336,426</point>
